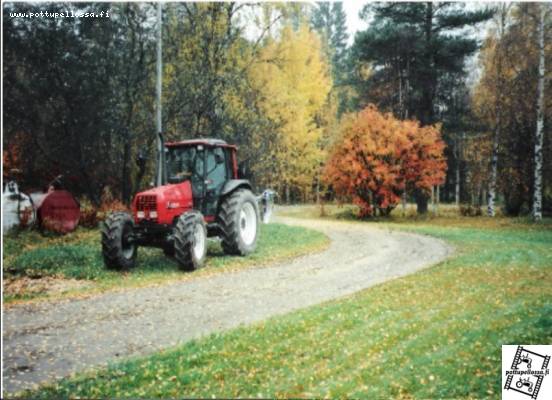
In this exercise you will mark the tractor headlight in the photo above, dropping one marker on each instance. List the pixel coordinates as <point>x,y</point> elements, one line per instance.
<point>153,214</point>
<point>140,214</point>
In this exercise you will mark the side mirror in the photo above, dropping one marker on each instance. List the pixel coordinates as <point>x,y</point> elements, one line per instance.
<point>219,158</point>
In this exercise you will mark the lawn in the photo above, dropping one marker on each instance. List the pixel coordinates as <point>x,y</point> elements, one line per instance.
<point>73,264</point>
<point>435,334</point>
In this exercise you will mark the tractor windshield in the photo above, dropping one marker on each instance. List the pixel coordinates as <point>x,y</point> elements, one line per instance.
<point>184,163</point>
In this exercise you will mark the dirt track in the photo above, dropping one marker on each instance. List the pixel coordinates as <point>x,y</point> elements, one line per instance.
<point>48,341</point>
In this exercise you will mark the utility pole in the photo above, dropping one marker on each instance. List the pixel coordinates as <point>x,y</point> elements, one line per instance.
<point>160,147</point>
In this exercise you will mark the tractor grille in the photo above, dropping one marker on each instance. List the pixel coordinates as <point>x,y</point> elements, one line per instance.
<point>146,203</point>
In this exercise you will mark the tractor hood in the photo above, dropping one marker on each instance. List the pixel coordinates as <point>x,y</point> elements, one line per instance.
<point>162,204</point>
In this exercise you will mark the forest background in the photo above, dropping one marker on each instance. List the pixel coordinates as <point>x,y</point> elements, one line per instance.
<point>79,98</point>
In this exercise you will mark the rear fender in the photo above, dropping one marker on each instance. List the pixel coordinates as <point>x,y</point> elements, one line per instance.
<point>234,184</point>
<point>231,186</point>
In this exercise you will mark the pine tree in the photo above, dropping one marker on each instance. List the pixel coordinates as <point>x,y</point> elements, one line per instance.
<point>411,48</point>
<point>330,21</point>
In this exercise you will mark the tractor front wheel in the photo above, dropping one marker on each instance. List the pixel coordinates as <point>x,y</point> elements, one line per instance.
<point>118,249</point>
<point>190,241</point>
<point>239,221</point>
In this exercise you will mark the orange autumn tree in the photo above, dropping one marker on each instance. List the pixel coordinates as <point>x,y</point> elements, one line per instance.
<point>378,158</point>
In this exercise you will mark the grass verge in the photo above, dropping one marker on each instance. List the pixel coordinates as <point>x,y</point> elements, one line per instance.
<point>435,334</point>
<point>34,264</point>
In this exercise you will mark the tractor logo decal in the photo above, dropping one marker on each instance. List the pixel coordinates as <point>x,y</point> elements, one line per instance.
<point>526,373</point>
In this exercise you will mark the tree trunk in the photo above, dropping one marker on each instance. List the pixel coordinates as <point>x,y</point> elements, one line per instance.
<point>125,172</point>
<point>288,197</point>
<point>457,173</point>
<point>433,199</point>
<point>437,199</point>
<point>492,179</point>
<point>537,191</point>
<point>428,89</point>
<point>421,202</point>
<point>318,189</point>
<point>498,106</point>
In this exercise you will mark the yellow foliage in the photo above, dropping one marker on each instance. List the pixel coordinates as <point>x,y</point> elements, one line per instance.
<point>294,78</point>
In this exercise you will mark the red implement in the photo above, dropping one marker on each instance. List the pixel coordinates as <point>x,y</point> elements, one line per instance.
<point>58,211</point>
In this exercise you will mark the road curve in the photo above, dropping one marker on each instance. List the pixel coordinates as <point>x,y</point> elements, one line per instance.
<point>44,342</point>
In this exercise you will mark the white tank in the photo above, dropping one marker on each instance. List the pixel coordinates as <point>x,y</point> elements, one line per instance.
<point>17,208</point>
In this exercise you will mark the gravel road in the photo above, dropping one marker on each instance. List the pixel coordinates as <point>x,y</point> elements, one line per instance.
<point>47,341</point>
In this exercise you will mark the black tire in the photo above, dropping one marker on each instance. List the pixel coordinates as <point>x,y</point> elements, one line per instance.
<point>186,245</point>
<point>168,250</point>
<point>118,253</point>
<point>231,221</point>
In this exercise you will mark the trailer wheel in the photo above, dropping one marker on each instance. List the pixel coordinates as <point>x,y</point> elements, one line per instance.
<point>239,221</point>
<point>118,250</point>
<point>190,241</point>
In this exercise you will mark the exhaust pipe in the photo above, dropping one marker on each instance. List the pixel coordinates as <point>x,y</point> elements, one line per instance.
<point>161,173</point>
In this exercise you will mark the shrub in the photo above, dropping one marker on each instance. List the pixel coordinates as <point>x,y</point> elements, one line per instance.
<point>109,204</point>
<point>468,210</point>
<point>89,216</point>
<point>379,157</point>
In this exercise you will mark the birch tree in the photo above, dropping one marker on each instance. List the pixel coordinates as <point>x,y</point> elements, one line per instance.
<point>507,98</point>
<point>539,136</point>
<point>499,66</point>
<point>294,78</point>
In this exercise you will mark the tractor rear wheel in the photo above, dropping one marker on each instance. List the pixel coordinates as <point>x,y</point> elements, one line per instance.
<point>239,221</point>
<point>168,250</point>
<point>118,249</point>
<point>190,240</point>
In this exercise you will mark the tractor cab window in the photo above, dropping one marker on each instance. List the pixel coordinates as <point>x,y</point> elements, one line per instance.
<point>216,169</point>
<point>184,163</point>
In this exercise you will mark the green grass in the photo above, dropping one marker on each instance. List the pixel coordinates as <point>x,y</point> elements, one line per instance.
<point>435,334</point>
<point>78,256</point>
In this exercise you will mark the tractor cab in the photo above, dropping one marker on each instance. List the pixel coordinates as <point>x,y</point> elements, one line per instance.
<point>207,164</point>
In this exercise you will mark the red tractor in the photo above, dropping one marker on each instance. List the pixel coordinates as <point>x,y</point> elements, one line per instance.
<point>199,196</point>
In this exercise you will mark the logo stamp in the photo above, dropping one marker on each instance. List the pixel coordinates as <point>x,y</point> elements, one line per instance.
<point>525,373</point>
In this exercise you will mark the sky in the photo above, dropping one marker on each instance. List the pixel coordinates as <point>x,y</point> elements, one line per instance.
<point>354,23</point>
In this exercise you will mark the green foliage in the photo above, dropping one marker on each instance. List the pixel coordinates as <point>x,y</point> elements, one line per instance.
<point>78,256</point>
<point>413,45</point>
<point>207,92</point>
<point>419,336</point>
<point>330,21</point>
<point>77,94</point>
<point>90,113</point>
